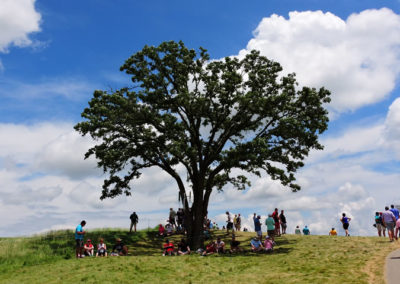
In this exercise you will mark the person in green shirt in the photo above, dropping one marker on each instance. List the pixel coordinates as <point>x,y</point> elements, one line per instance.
<point>270,223</point>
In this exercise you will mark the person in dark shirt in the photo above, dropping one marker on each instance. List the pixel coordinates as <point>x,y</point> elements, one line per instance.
<point>119,249</point>
<point>183,248</point>
<point>282,218</point>
<point>235,245</point>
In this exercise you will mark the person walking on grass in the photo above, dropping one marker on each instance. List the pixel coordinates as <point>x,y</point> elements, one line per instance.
<point>379,224</point>
<point>134,220</point>
<point>395,211</point>
<point>346,223</point>
<point>389,221</point>
<point>79,235</point>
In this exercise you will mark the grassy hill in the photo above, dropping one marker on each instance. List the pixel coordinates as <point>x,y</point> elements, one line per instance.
<point>50,258</point>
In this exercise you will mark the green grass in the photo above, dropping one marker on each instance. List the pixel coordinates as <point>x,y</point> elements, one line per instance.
<point>297,259</point>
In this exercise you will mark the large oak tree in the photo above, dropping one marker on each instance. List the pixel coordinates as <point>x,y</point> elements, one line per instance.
<point>219,120</point>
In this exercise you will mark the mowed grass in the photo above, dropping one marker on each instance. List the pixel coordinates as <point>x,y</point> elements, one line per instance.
<point>297,259</point>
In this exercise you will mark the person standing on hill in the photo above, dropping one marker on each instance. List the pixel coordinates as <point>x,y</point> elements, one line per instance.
<point>282,218</point>
<point>79,235</point>
<point>395,211</point>
<point>270,223</point>
<point>379,224</point>
<point>134,220</point>
<point>257,226</point>
<point>389,220</point>
<point>346,223</point>
<point>238,223</point>
<point>275,215</point>
<point>172,216</point>
<point>229,223</point>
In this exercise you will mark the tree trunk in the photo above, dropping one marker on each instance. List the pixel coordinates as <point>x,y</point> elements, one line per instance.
<point>195,223</point>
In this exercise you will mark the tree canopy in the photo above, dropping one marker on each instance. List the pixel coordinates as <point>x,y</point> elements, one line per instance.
<point>218,119</point>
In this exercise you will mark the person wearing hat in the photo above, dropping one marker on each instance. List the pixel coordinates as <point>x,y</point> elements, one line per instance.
<point>119,249</point>
<point>88,248</point>
<point>256,244</point>
<point>269,244</point>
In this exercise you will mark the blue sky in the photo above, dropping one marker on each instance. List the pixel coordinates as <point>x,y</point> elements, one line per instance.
<point>53,54</point>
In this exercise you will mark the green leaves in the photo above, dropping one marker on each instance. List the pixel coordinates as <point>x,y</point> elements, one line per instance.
<point>210,117</point>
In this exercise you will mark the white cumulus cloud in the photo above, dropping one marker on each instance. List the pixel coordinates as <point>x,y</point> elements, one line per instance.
<point>358,59</point>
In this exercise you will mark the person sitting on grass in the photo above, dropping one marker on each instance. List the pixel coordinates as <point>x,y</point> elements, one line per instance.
<point>269,244</point>
<point>169,229</point>
<point>297,230</point>
<point>210,249</point>
<point>220,245</point>
<point>88,248</point>
<point>256,245</point>
<point>101,248</point>
<point>234,245</point>
<point>306,230</point>
<point>333,232</point>
<point>183,248</point>
<point>119,249</point>
<point>168,248</point>
<point>161,230</point>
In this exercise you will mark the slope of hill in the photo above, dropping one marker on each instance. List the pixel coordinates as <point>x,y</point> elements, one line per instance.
<point>50,258</point>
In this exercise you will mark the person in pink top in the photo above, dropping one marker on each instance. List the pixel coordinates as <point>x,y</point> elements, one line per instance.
<point>397,229</point>
<point>269,244</point>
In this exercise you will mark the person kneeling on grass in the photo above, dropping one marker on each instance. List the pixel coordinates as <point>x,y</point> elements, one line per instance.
<point>183,248</point>
<point>101,248</point>
<point>88,248</point>
<point>210,249</point>
<point>256,244</point>
<point>269,244</point>
<point>168,248</point>
<point>119,249</point>
<point>220,245</point>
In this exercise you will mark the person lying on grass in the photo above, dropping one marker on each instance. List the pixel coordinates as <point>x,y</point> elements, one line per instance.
<point>88,248</point>
<point>168,248</point>
<point>183,248</point>
<point>235,245</point>
<point>256,244</point>
<point>101,248</point>
<point>220,245</point>
<point>210,249</point>
<point>119,249</point>
<point>269,244</point>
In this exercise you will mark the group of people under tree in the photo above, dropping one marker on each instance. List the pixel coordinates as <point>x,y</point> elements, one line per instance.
<point>388,219</point>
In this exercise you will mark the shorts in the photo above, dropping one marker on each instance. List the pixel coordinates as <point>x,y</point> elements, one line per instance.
<point>277,225</point>
<point>271,233</point>
<point>230,225</point>
<point>79,243</point>
<point>346,226</point>
<point>380,227</point>
<point>172,221</point>
<point>283,225</point>
<point>389,225</point>
<point>102,252</point>
<point>259,233</point>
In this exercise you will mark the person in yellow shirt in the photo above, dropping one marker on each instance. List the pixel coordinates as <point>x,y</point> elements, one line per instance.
<point>333,232</point>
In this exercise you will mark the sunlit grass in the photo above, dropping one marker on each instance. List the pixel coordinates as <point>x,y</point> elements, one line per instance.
<point>297,259</point>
